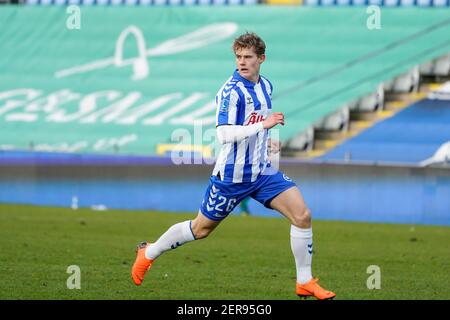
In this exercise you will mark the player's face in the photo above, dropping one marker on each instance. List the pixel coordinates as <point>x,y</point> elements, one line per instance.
<point>248,63</point>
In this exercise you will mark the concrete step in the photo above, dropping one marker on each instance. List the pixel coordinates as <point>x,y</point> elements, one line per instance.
<point>366,116</point>
<point>328,134</point>
<point>326,144</point>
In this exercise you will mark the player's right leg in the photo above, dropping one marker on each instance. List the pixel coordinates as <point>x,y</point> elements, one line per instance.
<point>219,200</point>
<point>279,192</point>
<point>175,236</point>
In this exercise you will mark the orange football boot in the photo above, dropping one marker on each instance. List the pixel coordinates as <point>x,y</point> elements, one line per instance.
<point>312,288</point>
<point>141,264</point>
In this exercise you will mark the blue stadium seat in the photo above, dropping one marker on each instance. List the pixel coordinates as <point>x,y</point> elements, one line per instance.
<point>411,136</point>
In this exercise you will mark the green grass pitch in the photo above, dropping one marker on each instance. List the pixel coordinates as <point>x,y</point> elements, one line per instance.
<point>244,258</point>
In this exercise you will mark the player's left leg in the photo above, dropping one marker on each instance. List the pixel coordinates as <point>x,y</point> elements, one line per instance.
<point>219,200</point>
<point>181,233</point>
<point>291,204</point>
<point>146,252</point>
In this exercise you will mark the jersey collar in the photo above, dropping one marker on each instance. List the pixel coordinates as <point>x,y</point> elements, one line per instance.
<point>246,82</point>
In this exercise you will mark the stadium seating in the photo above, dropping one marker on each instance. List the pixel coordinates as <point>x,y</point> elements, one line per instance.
<point>407,82</point>
<point>142,2</point>
<point>412,136</point>
<point>385,3</point>
<point>337,121</point>
<point>177,58</point>
<point>437,67</point>
<point>128,82</point>
<point>371,102</point>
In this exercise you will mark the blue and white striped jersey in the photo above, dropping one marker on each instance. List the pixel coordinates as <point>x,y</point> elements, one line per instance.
<point>242,102</point>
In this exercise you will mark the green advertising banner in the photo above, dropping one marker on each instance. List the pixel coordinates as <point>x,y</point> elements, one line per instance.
<point>128,80</point>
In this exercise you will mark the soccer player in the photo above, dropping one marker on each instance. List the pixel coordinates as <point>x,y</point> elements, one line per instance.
<point>243,119</point>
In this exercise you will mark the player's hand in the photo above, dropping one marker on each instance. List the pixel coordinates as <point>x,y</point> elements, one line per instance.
<point>274,119</point>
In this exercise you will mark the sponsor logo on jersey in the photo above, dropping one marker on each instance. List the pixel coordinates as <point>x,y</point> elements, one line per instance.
<point>255,118</point>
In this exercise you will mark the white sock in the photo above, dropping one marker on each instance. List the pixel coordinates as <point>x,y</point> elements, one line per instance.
<point>174,237</point>
<point>301,245</point>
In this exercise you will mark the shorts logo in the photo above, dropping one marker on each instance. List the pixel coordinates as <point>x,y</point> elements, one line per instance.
<point>218,215</point>
<point>286,177</point>
<point>212,198</point>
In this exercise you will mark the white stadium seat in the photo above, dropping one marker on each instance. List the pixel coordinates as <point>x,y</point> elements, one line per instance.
<point>407,82</point>
<point>437,67</point>
<point>372,102</point>
<point>303,141</point>
<point>337,121</point>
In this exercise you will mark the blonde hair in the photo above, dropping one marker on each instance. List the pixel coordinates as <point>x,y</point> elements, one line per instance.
<point>250,40</point>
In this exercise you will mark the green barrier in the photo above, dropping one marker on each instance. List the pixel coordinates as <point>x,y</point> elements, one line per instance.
<point>131,78</point>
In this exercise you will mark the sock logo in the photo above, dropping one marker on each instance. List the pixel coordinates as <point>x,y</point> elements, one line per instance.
<point>176,245</point>
<point>310,249</point>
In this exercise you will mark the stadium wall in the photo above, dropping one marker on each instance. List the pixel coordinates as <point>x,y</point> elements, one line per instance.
<point>391,194</point>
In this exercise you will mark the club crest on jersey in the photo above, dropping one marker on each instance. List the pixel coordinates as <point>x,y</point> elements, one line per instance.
<point>255,118</point>
<point>224,106</point>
